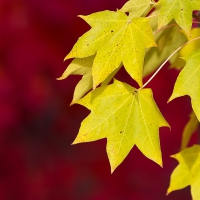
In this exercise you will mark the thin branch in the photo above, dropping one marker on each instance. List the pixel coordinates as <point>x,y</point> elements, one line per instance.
<point>163,28</point>
<point>148,10</point>
<point>167,61</point>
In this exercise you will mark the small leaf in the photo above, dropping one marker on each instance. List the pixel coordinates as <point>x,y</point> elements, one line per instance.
<point>187,172</point>
<point>116,39</point>
<point>80,66</point>
<point>179,10</point>
<point>136,7</point>
<point>188,82</point>
<point>189,129</point>
<point>126,117</point>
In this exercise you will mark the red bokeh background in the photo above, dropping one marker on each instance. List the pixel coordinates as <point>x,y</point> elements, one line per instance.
<point>37,125</point>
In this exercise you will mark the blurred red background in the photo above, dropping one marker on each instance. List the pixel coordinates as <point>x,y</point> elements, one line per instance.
<point>37,125</point>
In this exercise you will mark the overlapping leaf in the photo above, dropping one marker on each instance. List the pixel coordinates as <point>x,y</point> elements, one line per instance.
<point>179,63</point>
<point>189,129</point>
<point>83,66</point>
<point>188,82</point>
<point>126,117</point>
<point>179,10</point>
<point>136,7</point>
<point>80,66</point>
<point>115,38</point>
<point>168,41</point>
<point>187,172</point>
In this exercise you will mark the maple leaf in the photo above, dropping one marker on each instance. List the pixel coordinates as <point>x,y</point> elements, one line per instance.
<point>188,81</point>
<point>80,66</point>
<point>189,129</point>
<point>115,38</point>
<point>187,172</point>
<point>126,117</point>
<point>179,10</point>
<point>136,7</point>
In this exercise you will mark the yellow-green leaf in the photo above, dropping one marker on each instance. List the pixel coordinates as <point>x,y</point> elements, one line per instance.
<point>179,63</point>
<point>168,41</point>
<point>80,66</point>
<point>116,39</point>
<point>189,129</point>
<point>126,117</point>
<point>189,48</point>
<point>187,172</point>
<point>136,7</point>
<point>195,4</point>
<point>179,10</point>
<point>110,77</point>
<point>188,82</point>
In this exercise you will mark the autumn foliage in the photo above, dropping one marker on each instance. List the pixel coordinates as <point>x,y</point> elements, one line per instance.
<point>139,38</point>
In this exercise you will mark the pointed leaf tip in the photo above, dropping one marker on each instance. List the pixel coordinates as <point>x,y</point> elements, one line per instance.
<point>116,113</point>
<point>188,81</point>
<point>114,41</point>
<point>180,11</point>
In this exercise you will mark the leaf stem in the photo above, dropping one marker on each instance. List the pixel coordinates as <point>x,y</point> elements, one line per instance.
<point>167,61</point>
<point>148,10</point>
<point>163,28</point>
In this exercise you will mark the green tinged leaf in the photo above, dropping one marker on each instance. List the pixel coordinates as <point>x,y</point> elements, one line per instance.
<point>188,82</point>
<point>168,41</point>
<point>189,129</point>
<point>80,66</point>
<point>126,117</point>
<point>116,39</point>
<point>179,63</point>
<point>136,7</point>
<point>179,10</point>
<point>189,48</point>
<point>110,77</point>
<point>187,172</point>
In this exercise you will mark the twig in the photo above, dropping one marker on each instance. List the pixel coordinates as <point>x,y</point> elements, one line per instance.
<point>167,61</point>
<point>163,28</point>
